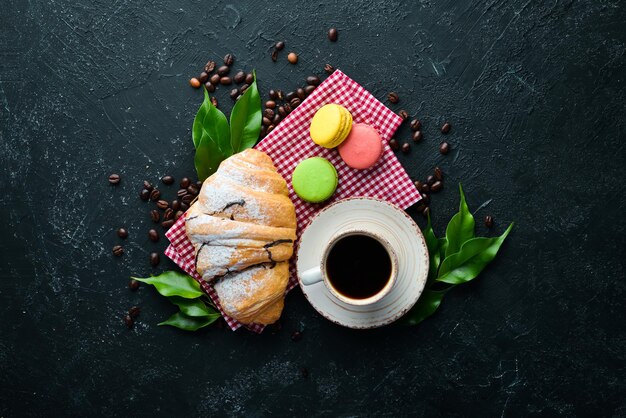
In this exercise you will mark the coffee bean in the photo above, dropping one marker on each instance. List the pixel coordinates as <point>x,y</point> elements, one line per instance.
<point>280,95</point>
<point>417,136</point>
<point>304,372</point>
<point>426,212</point>
<point>204,76</point>
<point>175,205</point>
<point>266,121</point>
<point>290,96</point>
<point>209,66</point>
<point>147,186</point>
<point>153,235</point>
<point>184,206</point>
<point>436,186</point>
<point>209,87</point>
<point>270,104</point>
<point>282,112</point>
<point>295,102</point>
<point>229,59</point>
<point>226,81</point>
<point>114,178</point>
<point>184,182</point>
<point>268,113</point>
<point>394,144</point>
<point>270,128</point>
<point>162,204</point>
<point>438,174</point>
<point>240,77</point>
<point>393,97</point>
<point>446,128</point>
<point>187,199</point>
<point>329,69</point>
<point>234,93</point>
<point>292,58</point>
<point>272,94</point>
<point>488,221</point>
<point>425,188</point>
<point>155,195</point>
<point>287,108</point>
<point>243,88</point>
<point>296,336</point>
<point>168,214</point>
<point>418,184</point>
<point>279,45</point>
<point>215,79</point>
<point>430,180</point>
<point>249,78</point>
<point>333,34</point>
<point>403,114</point>
<point>309,89</point>
<point>167,224</point>
<point>192,189</point>
<point>195,83</point>
<point>444,148</point>
<point>154,257</point>
<point>425,198</point>
<point>133,285</point>
<point>167,180</point>
<point>223,70</point>
<point>416,125</point>
<point>274,55</point>
<point>276,120</point>
<point>214,101</point>
<point>134,312</point>
<point>313,80</point>
<point>122,233</point>
<point>178,214</point>
<point>118,251</point>
<point>144,194</point>
<point>129,321</point>
<point>406,147</point>
<point>182,192</point>
<point>300,93</point>
<point>155,215</point>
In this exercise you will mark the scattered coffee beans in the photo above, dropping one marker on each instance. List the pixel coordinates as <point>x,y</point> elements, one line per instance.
<point>488,221</point>
<point>214,101</point>
<point>436,186</point>
<point>203,77</point>
<point>425,188</point>
<point>430,180</point>
<point>129,321</point>
<point>223,70</point>
<point>229,59</point>
<point>168,214</point>
<point>133,285</point>
<point>280,45</point>
<point>271,104</point>
<point>187,199</point>
<point>234,93</point>
<point>403,114</point>
<point>446,128</point>
<point>329,69</point>
<point>292,58</point>
<point>167,224</point>
<point>274,55</point>
<point>417,136</point>
<point>122,233</point>
<point>240,77</point>
<point>209,87</point>
<point>144,194</point>
<point>118,250</point>
<point>416,125</point>
<point>154,259</point>
<point>147,185</point>
<point>226,81</point>
<point>209,66</point>
<point>268,113</point>
<point>393,97</point>
<point>300,93</point>
<point>438,174</point>
<point>426,212</point>
<point>153,235</point>
<point>406,147</point>
<point>444,148</point>
<point>192,189</point>
<point>155,215</point>
<point>333,34</point>
<point>185,182</point>
<point>249,78</point>
<point>394,144</point>
<point>418,184</point>
<point>195,83</point>
<point>178,214</point>
<point>167,180</point>
<point>309,89</point>
<point>175,205</point>
<point>155,195</point>
<point>162,204</point>
<point>313,80</point>
<point>134,312</point>
<point>215,79</point>
<point>114,178</point>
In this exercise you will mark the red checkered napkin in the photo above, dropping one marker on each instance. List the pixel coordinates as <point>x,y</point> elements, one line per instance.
<point>290,143</point>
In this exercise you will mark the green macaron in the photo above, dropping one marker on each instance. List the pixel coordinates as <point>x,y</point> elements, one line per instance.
<point>314,179</point>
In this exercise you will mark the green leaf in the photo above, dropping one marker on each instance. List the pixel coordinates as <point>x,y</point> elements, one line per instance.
<point>211,120</point>
<point>460,228</point>
<point>208,157</point>
<point>432,243</point>
<point>245,119</point>
<point>174,283</point>
<point>426,305</point>
<point>188,323</point>
<point>193,307</point>
<point>474,256</point>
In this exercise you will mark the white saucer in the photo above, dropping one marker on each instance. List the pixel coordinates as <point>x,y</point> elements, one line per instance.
<point>391,223</point>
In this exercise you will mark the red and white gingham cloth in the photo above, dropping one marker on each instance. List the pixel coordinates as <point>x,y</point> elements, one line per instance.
<point>290,143</point>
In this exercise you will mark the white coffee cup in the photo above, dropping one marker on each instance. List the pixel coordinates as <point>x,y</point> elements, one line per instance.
<point>319,273</point>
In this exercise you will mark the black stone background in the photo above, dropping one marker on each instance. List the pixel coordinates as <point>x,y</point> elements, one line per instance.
<point>535,92</point>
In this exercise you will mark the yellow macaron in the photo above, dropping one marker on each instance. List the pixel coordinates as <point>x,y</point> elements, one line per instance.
<point>331,124</point>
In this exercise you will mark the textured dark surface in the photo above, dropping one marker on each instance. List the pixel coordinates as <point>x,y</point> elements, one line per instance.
<point>535,92</point>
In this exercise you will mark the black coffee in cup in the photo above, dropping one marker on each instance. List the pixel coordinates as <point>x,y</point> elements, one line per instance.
<point>358,266</point>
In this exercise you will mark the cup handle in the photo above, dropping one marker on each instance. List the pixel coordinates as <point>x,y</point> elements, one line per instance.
<point>311,276</point>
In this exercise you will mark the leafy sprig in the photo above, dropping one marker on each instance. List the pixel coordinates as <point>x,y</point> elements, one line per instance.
<point>183,291</point>
<point>454,259</point>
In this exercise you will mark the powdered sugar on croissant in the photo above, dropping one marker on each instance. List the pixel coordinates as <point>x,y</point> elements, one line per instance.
<point>243,227</point>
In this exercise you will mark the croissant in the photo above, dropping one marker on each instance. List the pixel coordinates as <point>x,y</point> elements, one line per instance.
<point>243,227</point>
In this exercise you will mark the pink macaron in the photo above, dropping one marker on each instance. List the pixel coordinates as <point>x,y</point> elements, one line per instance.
<point>362,148</point>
